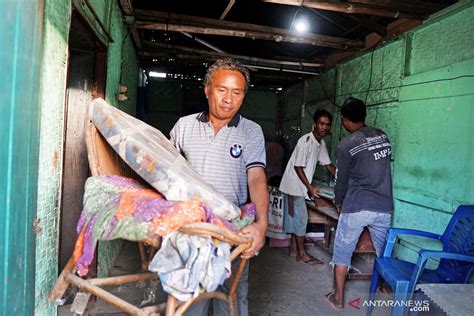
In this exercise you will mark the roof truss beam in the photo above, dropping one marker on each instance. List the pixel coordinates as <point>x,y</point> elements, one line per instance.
<point>161,21</point>
<point>370,24</point>
<point>127,8</point>
<point>413,6</point>
<point>351,8</point>
<point>154,47</point>
<point>248,63</point>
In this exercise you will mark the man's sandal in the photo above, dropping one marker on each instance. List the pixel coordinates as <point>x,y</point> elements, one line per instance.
<point>311,261</point>
<point>331,303</point>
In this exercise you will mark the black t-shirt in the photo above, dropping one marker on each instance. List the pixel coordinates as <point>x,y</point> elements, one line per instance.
<point>363,177</point>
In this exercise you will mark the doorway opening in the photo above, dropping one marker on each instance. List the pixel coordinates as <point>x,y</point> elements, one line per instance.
<point>86,79</point>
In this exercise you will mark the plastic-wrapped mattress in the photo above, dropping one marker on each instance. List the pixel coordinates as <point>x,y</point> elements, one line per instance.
<point>152,156</point>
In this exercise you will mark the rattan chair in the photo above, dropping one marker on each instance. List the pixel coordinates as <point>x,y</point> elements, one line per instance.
<point>104,161</point>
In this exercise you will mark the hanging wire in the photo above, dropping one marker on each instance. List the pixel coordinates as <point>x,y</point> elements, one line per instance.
<point>294,18</point>
<point>371,68</point>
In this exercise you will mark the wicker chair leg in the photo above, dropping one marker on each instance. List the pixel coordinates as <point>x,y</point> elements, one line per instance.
<point>236,277</point>
<point>143,256</point>
<point>233,310</point>
<point>62,283</point>
<point>232,296</point>
<point>87,286</point>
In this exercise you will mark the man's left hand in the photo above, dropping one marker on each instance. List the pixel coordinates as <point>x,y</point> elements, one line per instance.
<point>257,232</point>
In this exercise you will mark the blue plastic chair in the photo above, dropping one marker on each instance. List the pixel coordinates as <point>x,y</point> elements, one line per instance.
<point>455,266</point>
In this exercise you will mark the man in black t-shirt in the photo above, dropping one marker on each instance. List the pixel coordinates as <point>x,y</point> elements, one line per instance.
<point>363,192</point>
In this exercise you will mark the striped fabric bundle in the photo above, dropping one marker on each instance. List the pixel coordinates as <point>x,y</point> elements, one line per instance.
<point>119,207</point>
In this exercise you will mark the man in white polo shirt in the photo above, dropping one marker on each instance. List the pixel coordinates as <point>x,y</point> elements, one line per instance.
<point>296,183</point>
<point>228,151</point>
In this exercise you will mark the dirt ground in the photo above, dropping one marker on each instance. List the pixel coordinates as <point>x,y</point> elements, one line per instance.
<point>279,285</point>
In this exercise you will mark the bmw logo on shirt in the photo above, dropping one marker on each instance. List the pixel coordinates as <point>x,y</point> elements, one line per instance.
<point>236,150</point>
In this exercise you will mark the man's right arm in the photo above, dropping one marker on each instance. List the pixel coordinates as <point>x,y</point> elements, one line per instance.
<point>301,160</point>
<point>313,191</point>
<point>331,169</point>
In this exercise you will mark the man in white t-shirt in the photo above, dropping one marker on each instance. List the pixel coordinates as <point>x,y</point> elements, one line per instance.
<point>296,183</point>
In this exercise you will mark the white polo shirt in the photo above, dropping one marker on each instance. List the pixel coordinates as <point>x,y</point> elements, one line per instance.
<point>222,159</point>
<point>307,153</point>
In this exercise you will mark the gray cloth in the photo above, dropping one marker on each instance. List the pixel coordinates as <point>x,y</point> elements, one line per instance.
<point>186,264</point>
<point>363,176</point>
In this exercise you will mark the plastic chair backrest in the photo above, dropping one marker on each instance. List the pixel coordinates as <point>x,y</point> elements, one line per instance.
<point>458,238</point>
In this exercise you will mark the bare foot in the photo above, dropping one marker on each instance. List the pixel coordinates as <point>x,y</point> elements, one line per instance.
<point>309,260</point>
<point>292,253</point>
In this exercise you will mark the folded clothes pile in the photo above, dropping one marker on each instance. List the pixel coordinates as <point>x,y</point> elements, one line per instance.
<point>187,265</point>
<point>118,207</point>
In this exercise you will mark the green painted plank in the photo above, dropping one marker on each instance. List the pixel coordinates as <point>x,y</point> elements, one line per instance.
<point>445,40</point>
<point>374,76</point>
<point>57,17</point>
<point>20,33</point>
<point>434,165</point>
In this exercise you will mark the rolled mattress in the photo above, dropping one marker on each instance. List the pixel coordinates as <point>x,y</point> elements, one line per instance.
<point>152,156</point>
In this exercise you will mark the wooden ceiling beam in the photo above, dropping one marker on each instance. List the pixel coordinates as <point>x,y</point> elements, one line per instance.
<point>136,37</point>
<point>349,8</point>
<point>413,6</point>
<point>313,39</point>
<point>158,47</point>
<point>370,24</point>
<point>158,16</point>
<point>250,62</point>
<point>328,19</point>
<point>260,78</point>
<point>127,6</point>
<point>180,23</point>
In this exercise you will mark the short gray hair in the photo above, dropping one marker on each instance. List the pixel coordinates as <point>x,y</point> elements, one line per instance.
<point>228,64</point>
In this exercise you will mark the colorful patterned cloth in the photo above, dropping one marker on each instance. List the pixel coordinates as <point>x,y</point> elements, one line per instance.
<point>119,207</point>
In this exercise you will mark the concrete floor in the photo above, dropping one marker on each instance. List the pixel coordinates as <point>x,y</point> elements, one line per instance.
<point>278,285</point>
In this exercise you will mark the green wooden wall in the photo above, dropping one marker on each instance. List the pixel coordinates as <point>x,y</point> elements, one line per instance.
<point>418,88</point>
<point>53,82</point>
<point>122,67</point>
<point>20,62</point>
